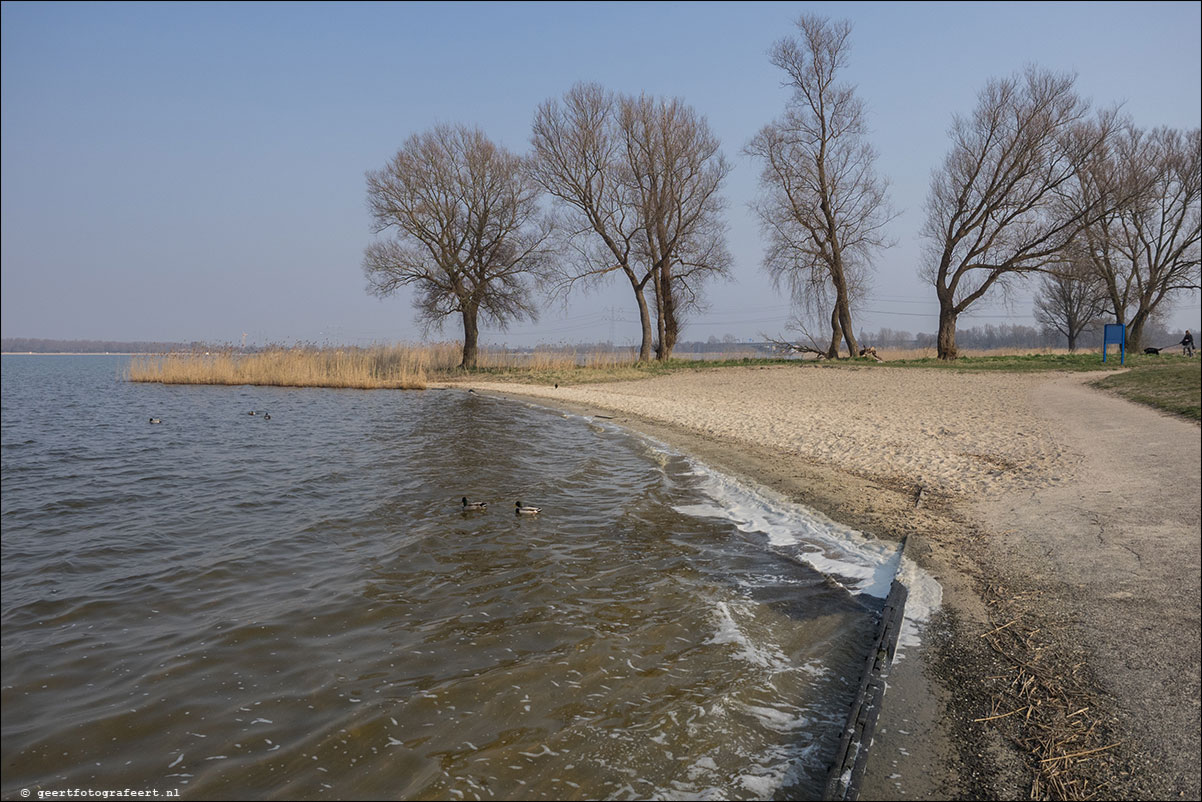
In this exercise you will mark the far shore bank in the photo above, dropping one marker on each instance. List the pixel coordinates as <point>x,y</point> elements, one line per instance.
<point>857,445</point>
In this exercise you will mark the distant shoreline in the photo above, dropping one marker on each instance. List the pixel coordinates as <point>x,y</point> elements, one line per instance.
<point>78,353</point>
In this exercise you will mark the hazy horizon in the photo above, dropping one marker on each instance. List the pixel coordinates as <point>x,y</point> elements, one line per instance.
<point>181,172</point>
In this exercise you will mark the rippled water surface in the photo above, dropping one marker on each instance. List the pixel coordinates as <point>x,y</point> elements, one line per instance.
<point>296,608</point>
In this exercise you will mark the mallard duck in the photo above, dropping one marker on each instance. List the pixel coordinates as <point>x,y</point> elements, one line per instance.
<point>252,412</point>
<point>474,505</point>
<point>156,420</point>
<point>522,509</point>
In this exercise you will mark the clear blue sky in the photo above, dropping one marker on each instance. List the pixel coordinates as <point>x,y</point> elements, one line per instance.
<point>194,171</point>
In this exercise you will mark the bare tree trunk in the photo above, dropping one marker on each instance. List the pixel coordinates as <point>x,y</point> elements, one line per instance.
<point>946,342</point>
<point>832,352</point>
<point>670,325</point>
<point>997,208</point>
<point>661,321</point>
<point>471,335</point>
<point>645,320</point>
<point>1135,331</point>
<point>1147,250</point>
<point>843,307</point>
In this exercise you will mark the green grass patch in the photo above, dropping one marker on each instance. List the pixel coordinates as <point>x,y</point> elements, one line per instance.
<point>1025,363</point>
<point>1172,384</point>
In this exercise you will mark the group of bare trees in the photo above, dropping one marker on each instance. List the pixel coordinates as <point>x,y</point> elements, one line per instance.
<point>636,180</point>
<point>1144,249</point>
<point>1035,183</point>
<point>1038,184</point>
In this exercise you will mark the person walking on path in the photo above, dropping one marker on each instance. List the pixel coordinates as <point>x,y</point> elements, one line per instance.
<point>1187,343</point>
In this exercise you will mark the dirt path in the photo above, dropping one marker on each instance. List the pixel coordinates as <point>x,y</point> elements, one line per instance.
<point>1116,550</point>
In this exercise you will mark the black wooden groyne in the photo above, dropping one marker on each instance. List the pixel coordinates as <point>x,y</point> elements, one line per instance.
<point>847,770</point>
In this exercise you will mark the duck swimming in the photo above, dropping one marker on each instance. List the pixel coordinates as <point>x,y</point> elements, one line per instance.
<point>474,505</point>
<point>521,509</point>
<point>156,420</point>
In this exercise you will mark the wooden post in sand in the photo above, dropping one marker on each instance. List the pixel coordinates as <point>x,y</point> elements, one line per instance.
<point>851,759</point>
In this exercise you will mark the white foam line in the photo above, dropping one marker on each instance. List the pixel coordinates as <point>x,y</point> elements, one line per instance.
<point>861,563</point>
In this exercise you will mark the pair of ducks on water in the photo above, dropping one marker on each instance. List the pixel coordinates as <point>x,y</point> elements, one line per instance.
<point>266,416</point>
<point>518,507</point>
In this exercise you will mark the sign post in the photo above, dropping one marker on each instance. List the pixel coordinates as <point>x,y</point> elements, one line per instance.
<point>1115,333</point>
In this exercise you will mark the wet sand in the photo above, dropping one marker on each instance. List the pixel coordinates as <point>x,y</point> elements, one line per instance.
<point>1012,469</point>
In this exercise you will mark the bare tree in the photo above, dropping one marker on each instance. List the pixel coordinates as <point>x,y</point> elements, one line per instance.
<point>579,158</point>
<point>469,235</point>
<point>1070,299</point>
<point>1146,250</point>
<point>994,209</point>
<point>678,170</point>
<point>639,179</point>
<point>823,206</point>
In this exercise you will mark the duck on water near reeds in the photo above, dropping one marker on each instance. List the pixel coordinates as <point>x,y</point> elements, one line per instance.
<point>521,509</point>
<point>474,506</point>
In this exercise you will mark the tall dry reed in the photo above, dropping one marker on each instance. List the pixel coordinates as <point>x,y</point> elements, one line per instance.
<point>393,367</point>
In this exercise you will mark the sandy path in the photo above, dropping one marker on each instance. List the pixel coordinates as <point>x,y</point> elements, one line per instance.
<point>1117,549</point>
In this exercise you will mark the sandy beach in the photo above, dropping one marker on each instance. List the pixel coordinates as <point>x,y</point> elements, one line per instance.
<point>1052,514</point>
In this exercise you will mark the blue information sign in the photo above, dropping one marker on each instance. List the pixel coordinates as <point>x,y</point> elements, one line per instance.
<point>1115,334</point>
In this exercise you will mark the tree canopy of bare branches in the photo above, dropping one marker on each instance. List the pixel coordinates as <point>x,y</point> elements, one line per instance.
<point>1070,298</point>
<point>1146,250</point>
<point>822,205</point>
<point>468,233</point>
<point>994,208</point>
<point>639,179</point>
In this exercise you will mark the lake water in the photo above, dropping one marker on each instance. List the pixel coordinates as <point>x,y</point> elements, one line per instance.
<point>237,607</point>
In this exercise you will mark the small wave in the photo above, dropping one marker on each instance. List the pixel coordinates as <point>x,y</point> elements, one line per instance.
<point>764,655</point>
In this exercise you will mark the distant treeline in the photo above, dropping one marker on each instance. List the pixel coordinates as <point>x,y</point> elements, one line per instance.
<point>40,346</point>
<point>984,337</point>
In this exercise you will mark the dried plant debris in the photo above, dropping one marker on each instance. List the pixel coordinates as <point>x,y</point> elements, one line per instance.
<point>1043,703</point>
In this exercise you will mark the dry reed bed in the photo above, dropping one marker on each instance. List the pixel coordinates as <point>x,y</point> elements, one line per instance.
<point>391,367</point>
<point>398,367</point>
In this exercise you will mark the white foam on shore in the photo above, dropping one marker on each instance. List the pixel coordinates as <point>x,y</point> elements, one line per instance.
<point>858,562</point>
